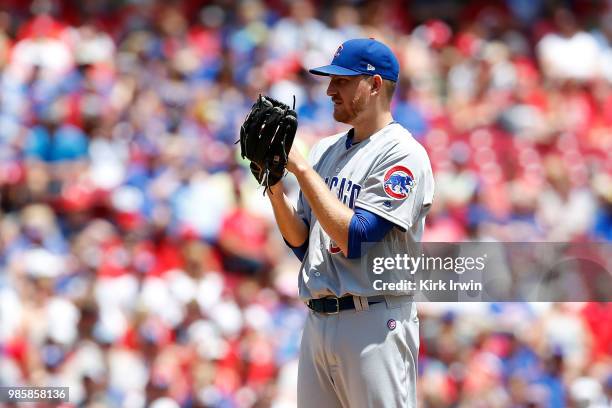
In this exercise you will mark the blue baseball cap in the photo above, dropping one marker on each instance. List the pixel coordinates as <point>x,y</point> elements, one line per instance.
<point>362,56</point>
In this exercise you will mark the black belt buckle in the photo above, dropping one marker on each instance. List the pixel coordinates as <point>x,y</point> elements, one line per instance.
<point>321,305</point>
<point>337,307</point>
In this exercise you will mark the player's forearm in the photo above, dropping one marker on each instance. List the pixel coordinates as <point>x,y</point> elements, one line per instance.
<point>334,216</point>
<point>291,226</point>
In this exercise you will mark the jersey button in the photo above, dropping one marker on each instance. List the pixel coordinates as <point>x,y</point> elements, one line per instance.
<point>338,170</point>
<point>317,274</point>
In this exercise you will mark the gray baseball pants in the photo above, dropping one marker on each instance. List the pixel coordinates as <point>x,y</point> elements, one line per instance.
<point>365,357</point>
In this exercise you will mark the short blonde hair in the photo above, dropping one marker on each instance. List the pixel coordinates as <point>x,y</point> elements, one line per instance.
<point>389,88</point>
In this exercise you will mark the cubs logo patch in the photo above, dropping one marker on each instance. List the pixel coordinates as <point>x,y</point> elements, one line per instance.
<point>338,50</point>
<point>391,324</point>
<point>398,182</point>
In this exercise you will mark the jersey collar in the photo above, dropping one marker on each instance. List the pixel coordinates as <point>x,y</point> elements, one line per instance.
<point>351,134</point>
<point>349,138</point>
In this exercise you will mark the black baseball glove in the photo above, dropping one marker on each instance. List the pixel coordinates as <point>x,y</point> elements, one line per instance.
<point>266,137</point>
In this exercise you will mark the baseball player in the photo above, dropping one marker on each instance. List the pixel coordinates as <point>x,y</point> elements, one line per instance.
<point>372,184</point>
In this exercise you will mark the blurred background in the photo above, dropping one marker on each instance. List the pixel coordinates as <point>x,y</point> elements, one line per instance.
<point>140,264</point>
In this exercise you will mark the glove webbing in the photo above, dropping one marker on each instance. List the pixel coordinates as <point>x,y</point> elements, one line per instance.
<point>265,178</point>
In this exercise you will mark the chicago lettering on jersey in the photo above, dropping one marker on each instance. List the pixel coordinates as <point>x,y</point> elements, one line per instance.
<point>346,190</point>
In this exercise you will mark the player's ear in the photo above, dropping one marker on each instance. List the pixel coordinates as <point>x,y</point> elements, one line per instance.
<point>377,84</point>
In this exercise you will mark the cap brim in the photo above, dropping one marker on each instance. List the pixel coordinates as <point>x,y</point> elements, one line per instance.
<point>327,70</point>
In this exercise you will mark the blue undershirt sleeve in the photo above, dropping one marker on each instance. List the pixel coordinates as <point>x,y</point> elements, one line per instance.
<point>365,227</point>
<point>300,251</point>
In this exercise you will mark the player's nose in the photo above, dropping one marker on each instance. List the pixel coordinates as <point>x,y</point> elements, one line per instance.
<point>331,89</point>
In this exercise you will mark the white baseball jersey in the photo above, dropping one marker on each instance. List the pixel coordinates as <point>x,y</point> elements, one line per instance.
<point>388,174</point>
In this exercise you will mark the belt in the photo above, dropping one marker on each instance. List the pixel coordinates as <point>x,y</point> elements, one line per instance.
<point>333,305</point>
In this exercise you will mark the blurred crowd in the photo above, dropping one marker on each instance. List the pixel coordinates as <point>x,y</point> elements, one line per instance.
<point>140,264</point>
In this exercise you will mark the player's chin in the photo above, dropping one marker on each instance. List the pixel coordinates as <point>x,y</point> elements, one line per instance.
<point>340,115</point>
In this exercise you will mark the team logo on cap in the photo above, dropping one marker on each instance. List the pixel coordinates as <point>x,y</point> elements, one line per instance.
<point>391,324</point>
<point>338,50</point>
<point>398,182</point>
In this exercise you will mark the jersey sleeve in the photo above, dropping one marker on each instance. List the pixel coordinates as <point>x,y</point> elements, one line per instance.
<point>399,187</point>
<point>299,252</point>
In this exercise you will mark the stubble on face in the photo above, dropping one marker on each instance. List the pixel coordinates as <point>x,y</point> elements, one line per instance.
<point>347,114</point>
